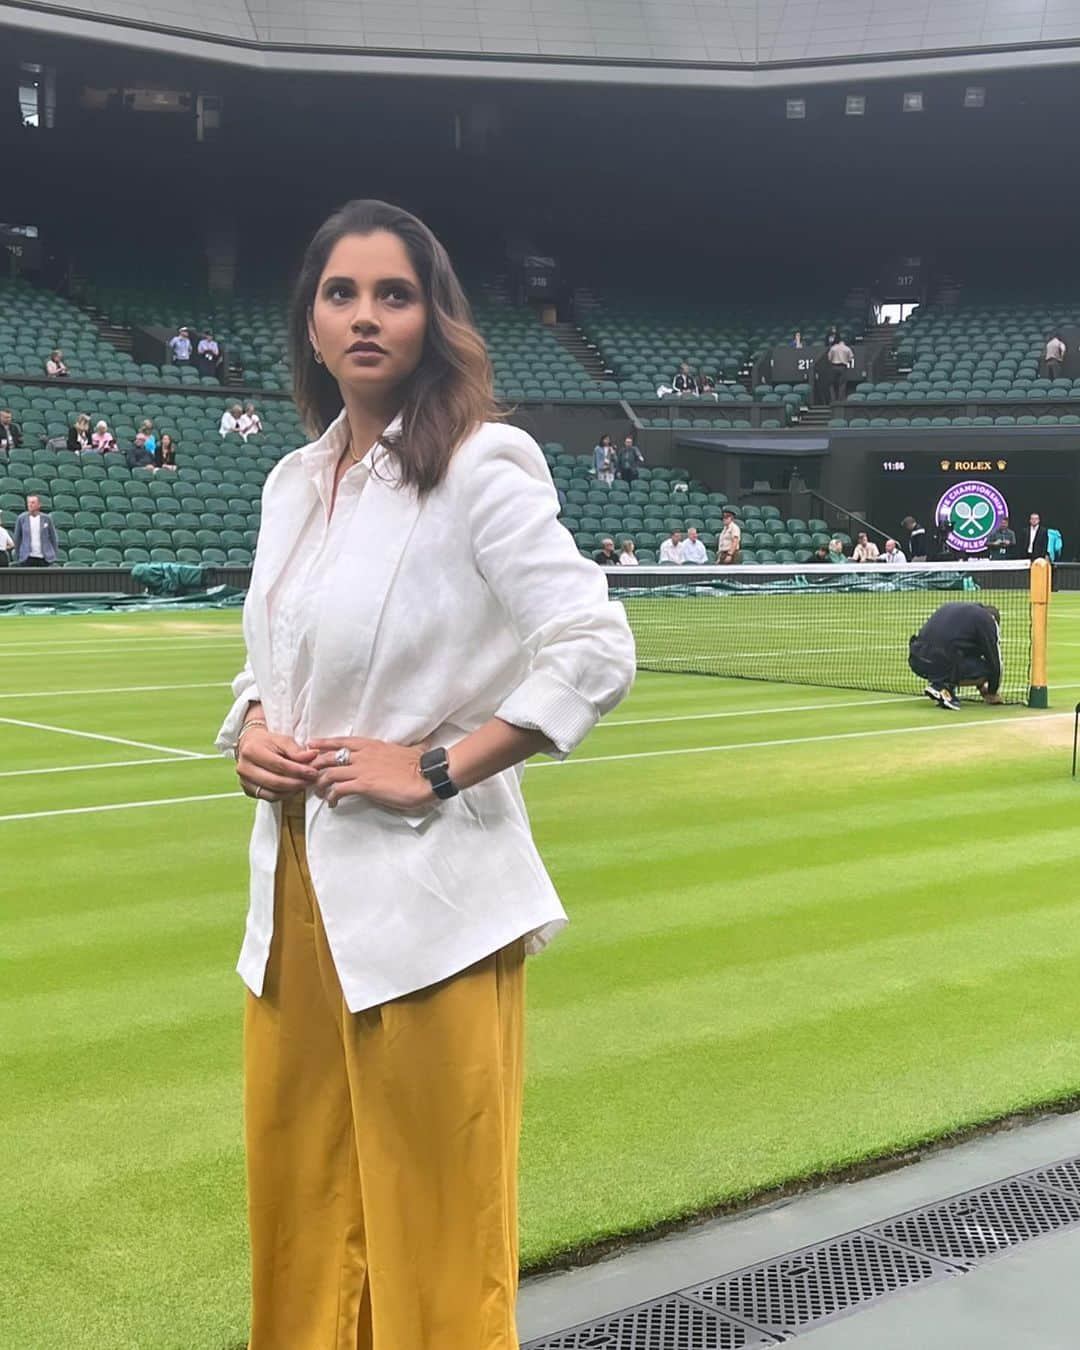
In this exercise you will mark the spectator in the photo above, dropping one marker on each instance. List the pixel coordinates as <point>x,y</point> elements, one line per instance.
<point>832,337</point>
<point>10,432</point>
<point>7,544</point>
<point>250,422</point>
<point>165,454</point>
<point>1002,541</point>
<point>606,555</point>
<point>671,549</point>
<point>729,544</point>
<point>180,347</point>
<point>230,420</point>
<point>835,551</point>
<point>208,354</point>
<point>796,340</point>
<point>137,455</point>
<point>149,435</point>
<point>821,555</point>
<point>893,554</point>
<point>54,366</point>
<point>684,382</point>
<point>103,439</point>
<point>918,546</point>
<point>35,536</point>
<point>707,385</point>
<point>841,359</point>
<point>693,550</point>
<point>1054,355</point>
<point>603,456</point>
<point>865,549</point>
<point>628,557</point>
<point>78,437</point>
<point>1037,543</point>
<point>630,460</point>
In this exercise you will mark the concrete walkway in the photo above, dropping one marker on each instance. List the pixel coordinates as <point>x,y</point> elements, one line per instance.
<point>1028,1299</point>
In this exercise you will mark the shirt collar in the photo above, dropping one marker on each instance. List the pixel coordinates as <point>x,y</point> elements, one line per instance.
<point>320,458</point>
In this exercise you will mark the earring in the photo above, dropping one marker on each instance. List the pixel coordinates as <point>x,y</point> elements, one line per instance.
<point>317,354</point>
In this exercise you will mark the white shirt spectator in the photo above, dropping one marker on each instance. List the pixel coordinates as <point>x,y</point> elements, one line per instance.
<point>893,559</point>
<point>1055,349</point>
<point>670,552</point>
<point>7,543</point>
<point>35,536</point>
<point>229,423</point>
<point>863,553</point>
<point>180,346</point>
<point>248,424</point>
<point>628,560</point>
<point>693,551</point>
<point>840,354</point>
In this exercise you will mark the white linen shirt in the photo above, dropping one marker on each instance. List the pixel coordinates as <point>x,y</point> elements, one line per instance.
<point>893,559</point>
<point>693,551</point>
<point>628,560</point>
<point>35,536</point>
<point>427,618</point>
<point>670,552</point>
<point>6,541</point>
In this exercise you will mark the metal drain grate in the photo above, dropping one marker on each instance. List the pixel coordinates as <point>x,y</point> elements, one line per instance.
<point>787,1296</point>
<point>818,1283</point>
<point>1063,1176</point>
<point>981,1224</point>
<point>668,1324</point>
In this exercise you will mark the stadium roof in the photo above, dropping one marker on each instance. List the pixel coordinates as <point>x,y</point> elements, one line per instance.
<point>734,43</point>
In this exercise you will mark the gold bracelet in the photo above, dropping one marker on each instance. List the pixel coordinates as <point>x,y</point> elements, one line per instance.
<point>252,722</point>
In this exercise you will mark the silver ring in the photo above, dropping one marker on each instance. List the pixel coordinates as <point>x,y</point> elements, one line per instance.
<point>258,790</point>
<point>343,757</point>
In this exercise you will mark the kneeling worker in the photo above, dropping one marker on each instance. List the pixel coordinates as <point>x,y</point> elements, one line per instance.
<point>959,644</point>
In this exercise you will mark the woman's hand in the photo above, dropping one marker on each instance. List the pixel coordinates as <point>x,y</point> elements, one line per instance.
<point>271,766</point>
<point>386,774</point>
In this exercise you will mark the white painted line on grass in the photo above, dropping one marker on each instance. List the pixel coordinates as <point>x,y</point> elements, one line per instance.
<point>110,764</point>
<point>797,740</point>
<point>748,712</point>
<point>107,644</point>
<point>95,736</point>
<point>120,806</point>
<point>119,689</point>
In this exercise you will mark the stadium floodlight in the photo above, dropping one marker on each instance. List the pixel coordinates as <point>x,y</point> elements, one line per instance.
<point>855,105</point>
<point>795,109</point>
<point>974,96</point>
<point>913,102</point>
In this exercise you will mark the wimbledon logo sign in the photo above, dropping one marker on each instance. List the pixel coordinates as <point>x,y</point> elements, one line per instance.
<point>973,511</point>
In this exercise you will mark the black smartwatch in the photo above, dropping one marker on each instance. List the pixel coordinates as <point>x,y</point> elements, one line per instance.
<point>435,767</point>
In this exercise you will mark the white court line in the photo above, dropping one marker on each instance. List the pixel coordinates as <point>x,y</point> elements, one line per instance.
<point>121,806</point>
<point>106,644</point>
<point>95,736</point>
<point>119,689</point>
<point>595,759</point>
<point>110,764</point>
<point>795,740</point>
<point>749,712</point>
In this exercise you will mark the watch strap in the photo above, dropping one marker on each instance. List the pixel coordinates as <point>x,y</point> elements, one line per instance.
<point>435,767</point>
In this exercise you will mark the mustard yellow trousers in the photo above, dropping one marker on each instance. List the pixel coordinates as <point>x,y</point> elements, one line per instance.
<point>382,1146</point>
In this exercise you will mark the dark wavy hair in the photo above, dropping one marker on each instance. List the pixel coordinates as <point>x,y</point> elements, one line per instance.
<point>451,391</point>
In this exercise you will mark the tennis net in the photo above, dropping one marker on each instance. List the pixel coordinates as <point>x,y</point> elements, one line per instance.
<point>847,627</point>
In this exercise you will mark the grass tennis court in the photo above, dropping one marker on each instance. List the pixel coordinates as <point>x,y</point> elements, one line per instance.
<point>809,926</point>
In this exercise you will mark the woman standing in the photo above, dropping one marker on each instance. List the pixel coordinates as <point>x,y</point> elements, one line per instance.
<point>382,719</point>
<point>604,460</point>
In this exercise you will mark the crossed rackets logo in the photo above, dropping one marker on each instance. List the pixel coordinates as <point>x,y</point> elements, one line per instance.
<point>972,517</point>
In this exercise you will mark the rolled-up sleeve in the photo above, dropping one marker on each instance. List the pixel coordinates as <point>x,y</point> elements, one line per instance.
<point>244,693</point>
<point>581,649</point>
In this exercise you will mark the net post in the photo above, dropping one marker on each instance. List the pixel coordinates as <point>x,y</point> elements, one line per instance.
<point>1038,696</point>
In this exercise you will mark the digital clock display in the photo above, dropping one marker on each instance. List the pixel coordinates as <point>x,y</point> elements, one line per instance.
<point>894,465</point>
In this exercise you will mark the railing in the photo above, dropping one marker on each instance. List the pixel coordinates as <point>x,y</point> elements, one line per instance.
<point>855,522</point>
